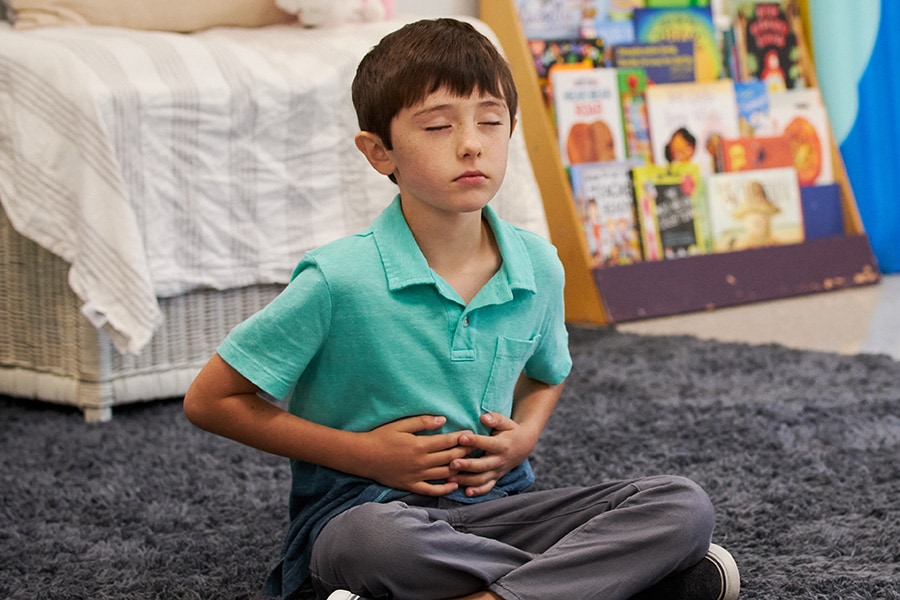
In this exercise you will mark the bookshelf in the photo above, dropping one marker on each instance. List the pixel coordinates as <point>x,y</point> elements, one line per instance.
<point>660,288</point>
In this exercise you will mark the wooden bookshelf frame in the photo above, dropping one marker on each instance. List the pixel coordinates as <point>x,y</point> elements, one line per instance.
<point>653,289</point>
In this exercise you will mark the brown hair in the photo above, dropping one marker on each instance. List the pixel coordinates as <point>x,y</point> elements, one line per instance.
<point>421,58</point>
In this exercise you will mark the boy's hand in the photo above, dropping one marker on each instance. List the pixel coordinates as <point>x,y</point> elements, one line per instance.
<point>395,456</point>
<point>507,447</point>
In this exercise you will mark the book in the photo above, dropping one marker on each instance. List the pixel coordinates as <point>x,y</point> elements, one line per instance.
<point>693,24</point>
<point>689,120</point>
<point>588,115</point>
<point>548,54</point>
<point>822,212</point>
<point>800,115</point>
<point>664,62</point>
<point>768,45</point>
<point>613,32</point>
<point>754,153</point>
<point>633,100</point>
<point>550,19</point>
<point>752,209</point>
<point>754,117</point>
<point>605,200</point>
<point>667,200</point>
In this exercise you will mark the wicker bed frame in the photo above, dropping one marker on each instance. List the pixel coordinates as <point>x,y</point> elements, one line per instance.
<point>49,351</point>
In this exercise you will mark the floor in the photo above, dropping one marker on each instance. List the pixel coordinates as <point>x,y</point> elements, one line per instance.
<point>858,320</point>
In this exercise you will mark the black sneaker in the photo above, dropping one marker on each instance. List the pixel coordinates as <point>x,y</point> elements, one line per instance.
<point>716,577</point>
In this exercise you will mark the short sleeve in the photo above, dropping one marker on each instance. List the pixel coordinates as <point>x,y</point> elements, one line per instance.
<point>273,347</point>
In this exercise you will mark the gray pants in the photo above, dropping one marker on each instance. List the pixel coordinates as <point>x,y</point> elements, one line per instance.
<point>609,541</point>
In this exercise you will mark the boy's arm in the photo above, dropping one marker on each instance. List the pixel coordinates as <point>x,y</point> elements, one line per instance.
<point>223,401</point>
<point>511,440</point>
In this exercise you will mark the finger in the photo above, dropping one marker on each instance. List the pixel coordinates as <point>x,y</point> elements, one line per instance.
<point>477,442</point>
<point>481,464</point>
<point>418,423</point>
<point>497,422</point>
<point>433,489</point>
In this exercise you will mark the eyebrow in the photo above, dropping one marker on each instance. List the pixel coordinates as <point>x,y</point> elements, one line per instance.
<point>486,103</point>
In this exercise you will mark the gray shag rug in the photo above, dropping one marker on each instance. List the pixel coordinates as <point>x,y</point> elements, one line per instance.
<point>799,451</point>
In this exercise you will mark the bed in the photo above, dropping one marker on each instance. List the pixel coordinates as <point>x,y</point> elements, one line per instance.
<point>157,188</point>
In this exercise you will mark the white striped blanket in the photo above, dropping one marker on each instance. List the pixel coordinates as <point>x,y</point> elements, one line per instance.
<point>159,163</point>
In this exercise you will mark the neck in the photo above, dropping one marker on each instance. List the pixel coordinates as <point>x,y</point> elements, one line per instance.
<point>460,247</point>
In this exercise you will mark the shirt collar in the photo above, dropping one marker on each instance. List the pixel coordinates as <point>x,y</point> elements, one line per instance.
<point>405,265</point>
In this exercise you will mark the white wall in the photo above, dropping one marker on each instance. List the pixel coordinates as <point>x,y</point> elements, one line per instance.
<point>437,8</point>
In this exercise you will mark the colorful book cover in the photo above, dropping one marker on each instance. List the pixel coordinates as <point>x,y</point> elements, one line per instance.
<point>613,33</point>
<point>753,209</point>
<point>548,54</point>
<point>689,120</point>
<point>669,211</point>
<point>753,108</point>
<point>754,153</point>
<point>632,97</point>
<point>588,115</point>
<point>683,24</point>
<point>605,200</point>
<point>770,50</point>
<point>664,62</point>
<point>801,117</point>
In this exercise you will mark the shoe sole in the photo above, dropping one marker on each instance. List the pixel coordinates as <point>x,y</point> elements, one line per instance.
<point>728,571</point>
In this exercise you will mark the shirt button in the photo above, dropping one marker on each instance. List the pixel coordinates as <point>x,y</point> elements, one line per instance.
<point>465,321</point>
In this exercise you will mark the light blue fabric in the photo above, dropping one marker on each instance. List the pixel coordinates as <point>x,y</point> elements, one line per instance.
<point>857,50</point>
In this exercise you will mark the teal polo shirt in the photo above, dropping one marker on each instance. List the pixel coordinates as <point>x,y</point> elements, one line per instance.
<point>367,333</point>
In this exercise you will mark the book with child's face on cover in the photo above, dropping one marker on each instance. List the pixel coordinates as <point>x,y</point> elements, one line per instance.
<point>689,120</point>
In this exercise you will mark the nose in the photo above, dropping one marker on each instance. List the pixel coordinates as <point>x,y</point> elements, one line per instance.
<point>470,143</point>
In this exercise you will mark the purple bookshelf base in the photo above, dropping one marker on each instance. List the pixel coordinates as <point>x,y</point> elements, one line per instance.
<point>655,289</point>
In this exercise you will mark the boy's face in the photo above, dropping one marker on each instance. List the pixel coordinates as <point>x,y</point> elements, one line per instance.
<point>450,152</point>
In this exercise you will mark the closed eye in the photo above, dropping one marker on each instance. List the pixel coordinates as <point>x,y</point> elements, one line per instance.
<point>437,127</point>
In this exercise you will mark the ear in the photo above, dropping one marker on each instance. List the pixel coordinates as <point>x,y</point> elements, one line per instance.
<point>512,125</point>
<point>375,152</point>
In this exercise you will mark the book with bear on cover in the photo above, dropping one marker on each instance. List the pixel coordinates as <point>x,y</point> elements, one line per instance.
<point>605,201</point>
<point>588,115</point>
<point>754,209</point>
<point>670,210</point>
<point>689,120</point>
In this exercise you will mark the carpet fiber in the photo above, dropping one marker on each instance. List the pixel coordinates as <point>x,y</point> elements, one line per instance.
<point>799,451</point>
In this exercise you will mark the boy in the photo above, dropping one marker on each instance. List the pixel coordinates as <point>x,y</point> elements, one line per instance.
<point>421,359</point>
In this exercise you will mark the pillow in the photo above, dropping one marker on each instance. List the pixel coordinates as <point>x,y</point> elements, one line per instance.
<point>163,15</point>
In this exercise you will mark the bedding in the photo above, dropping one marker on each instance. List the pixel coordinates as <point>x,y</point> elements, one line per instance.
<point>157,164</point>
<point>164,15</point>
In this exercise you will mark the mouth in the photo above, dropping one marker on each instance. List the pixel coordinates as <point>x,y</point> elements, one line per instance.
<point>471,177</point>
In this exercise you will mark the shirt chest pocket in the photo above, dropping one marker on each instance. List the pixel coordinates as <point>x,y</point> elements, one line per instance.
<point>510,357</point>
